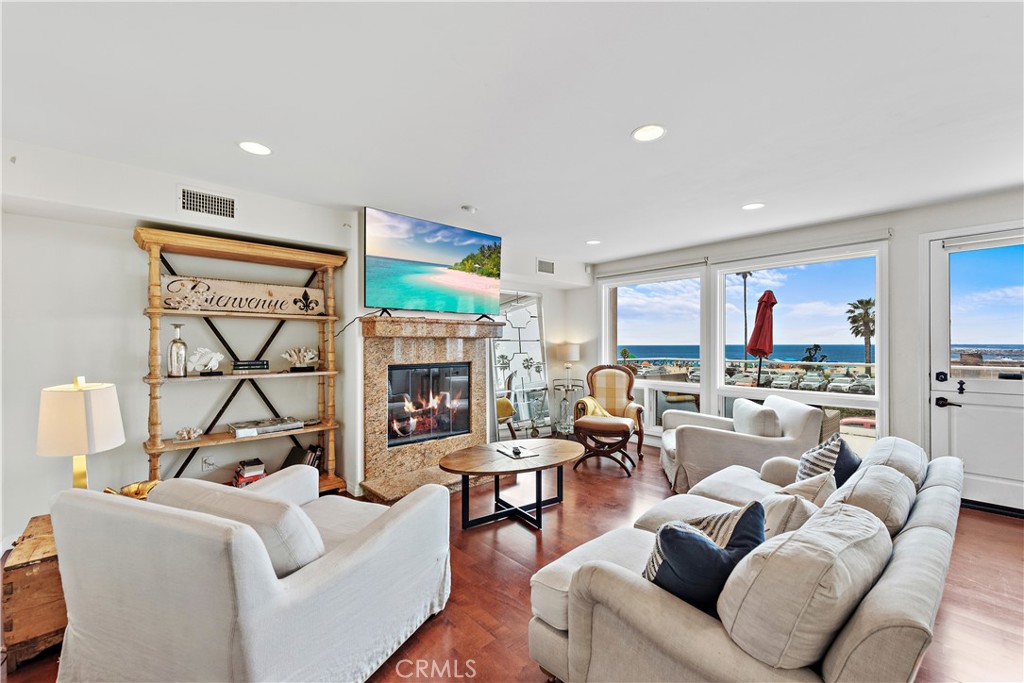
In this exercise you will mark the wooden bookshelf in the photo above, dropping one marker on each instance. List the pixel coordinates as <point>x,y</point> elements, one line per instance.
<point>156,243</point>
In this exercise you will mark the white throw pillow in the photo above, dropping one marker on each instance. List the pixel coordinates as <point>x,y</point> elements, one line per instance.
<point>816,489</point>
<point>883,491</point>
<point>750,418</point>
<point>784,602</point>
<point>291,538</point>
<point>785,512</point>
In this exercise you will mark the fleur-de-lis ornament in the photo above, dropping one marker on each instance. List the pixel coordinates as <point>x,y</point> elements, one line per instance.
<point>305,302</point>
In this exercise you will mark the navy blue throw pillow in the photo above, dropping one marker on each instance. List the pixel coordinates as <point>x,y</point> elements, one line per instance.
<point>847,463</point>
<point>688,564</point>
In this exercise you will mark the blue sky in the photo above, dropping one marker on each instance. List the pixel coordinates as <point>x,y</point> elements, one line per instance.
<point>393,235</point>
<point>986,289</point>
<point>812,303</point>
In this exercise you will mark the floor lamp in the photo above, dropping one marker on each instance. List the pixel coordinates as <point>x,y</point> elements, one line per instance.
<point>79,419</point>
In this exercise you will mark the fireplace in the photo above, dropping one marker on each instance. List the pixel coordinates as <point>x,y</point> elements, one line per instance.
<point>427,401</point>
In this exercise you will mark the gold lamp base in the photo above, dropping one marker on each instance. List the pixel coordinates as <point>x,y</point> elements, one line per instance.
<point>80,478</point>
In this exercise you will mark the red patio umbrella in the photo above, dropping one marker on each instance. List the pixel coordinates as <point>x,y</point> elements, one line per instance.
<point>760,343</point>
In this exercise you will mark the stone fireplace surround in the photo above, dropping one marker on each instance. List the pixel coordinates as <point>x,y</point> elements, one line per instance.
<point>390,473</point>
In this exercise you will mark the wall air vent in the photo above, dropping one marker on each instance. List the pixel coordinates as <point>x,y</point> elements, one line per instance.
<point>547,267</point>
<point>204,202</point>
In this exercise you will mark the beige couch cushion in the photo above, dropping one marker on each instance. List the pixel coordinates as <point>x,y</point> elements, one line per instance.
<point>900,454</point>
<point>785,512</point>
<point>886,493</point>
<point>681,508</point>
<point>816,489</point>
<point>736,485</point>
<point>291,539</point>
<point>752,418</point>
<point>787,599</point>
<point>549,587</point>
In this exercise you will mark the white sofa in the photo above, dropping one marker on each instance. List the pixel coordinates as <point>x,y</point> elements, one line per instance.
<point>596,618</point>
<point>695,445</point>
<point>313,589</point>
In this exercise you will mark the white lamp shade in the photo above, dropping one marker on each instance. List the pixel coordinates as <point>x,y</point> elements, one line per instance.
<point>570,352</point>
<point>79,421</point>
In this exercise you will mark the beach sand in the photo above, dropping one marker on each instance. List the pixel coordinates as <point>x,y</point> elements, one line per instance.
<point>467,282</point>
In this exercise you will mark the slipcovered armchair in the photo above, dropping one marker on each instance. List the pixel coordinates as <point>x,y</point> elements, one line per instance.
<point>695,445</point>
<point>306,589</point>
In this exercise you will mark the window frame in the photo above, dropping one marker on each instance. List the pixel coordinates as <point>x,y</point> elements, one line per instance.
<point>609,331</point>
<point>712,388</point>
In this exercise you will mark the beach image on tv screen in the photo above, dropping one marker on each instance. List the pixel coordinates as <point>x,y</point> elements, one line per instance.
<point>424,266</point>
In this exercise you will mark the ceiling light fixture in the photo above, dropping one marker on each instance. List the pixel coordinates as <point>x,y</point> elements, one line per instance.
<point>468,208</point>
<point>648,133</point>
<point>752,207</point>
<point>593,242</point>
<point>255,148</point>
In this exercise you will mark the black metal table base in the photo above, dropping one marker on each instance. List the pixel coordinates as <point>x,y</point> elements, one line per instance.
<point>504,509</point>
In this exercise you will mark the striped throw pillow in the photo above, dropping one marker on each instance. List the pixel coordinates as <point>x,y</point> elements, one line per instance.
<point>719,527</point>
<point>819,459</point>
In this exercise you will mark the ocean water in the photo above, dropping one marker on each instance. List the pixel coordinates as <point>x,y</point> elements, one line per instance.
<point>398,284</point>
<point>838,353</point>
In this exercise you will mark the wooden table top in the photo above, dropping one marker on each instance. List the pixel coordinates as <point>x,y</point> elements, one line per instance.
<point>35,545</point>
<point>485,458</point>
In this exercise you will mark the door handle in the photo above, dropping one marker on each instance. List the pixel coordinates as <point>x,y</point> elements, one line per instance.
<point>942,402</point>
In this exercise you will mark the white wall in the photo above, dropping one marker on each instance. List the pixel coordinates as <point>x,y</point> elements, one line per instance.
<point>907,339</point>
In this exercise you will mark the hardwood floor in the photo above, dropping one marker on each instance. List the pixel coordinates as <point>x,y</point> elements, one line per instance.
<point>979,632</point>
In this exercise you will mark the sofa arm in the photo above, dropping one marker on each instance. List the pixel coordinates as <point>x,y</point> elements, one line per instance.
<point>637,611</point>
<point>780,470</point>
<point>390,576</point>
<point>703,451</point>
<point>299,484</point>
<point>671,419</point>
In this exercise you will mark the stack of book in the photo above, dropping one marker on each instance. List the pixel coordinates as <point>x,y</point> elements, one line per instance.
<point>267,426</point>
<point>250,366</point>
<point>247,472</point>
<point>304,456</point>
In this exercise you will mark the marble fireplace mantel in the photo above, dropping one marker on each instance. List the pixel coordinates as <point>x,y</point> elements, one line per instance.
<point>390,473</point>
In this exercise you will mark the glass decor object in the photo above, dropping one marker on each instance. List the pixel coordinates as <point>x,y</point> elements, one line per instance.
<point>177,352</point>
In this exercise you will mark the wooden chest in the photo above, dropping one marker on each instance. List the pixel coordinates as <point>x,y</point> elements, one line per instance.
<point>34,615</point>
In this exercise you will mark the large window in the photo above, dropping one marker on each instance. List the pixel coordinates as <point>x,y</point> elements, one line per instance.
<point>657,333</point>
<point>686,340</point>
<point>824,327</point>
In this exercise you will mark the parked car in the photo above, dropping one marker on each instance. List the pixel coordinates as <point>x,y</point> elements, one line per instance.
<point>695,376</point>
<point>860,377</point>
<point>813,381</point>
<point>841,384</point>
<point>786,380</point>
<point>859,387</point>
<point>742,379</point>
<point>766,379</point>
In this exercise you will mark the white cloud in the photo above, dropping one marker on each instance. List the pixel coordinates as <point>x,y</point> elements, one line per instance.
<point>757,282</point>
<point>1005,296</point>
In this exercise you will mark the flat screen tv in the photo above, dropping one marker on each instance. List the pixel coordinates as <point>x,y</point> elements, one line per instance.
<point>418,265</point>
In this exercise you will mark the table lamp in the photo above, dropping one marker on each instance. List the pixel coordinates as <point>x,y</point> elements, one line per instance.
<point>570,354</point>
<point>78,419</point>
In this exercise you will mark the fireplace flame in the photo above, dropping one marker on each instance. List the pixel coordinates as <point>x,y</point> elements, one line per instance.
<point>409,407</point>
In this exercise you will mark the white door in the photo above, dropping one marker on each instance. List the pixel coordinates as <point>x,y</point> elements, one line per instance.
<point>977,361</point>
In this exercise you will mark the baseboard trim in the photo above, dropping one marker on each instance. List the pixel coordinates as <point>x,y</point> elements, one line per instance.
<point>993,508</point>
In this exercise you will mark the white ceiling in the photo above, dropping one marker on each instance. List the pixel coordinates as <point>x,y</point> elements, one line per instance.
<point>822,111</point>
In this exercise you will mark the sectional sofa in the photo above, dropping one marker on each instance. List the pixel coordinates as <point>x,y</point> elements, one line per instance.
<point>803,606</point>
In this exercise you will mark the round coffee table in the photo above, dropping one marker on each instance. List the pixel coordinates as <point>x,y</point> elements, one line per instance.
<point>486,460</point>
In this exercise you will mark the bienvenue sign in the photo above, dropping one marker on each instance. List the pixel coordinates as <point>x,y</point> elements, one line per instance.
<point>185,292</point>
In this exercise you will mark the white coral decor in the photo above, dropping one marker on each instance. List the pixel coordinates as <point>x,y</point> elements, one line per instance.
<point>204,360</point>
<point>301,355</point>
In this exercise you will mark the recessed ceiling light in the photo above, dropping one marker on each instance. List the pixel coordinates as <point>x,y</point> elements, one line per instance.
<point>255,148</point>
<point>593,242</point>
<point>752,207</point>
<point>648,133</point>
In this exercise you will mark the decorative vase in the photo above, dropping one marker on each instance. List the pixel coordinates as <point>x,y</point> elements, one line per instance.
<point>177,352</point>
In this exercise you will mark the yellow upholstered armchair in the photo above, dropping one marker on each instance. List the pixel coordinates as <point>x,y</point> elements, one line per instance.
<point>609,414</point>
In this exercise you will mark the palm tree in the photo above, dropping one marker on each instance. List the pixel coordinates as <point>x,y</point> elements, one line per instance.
<point>861,316</point>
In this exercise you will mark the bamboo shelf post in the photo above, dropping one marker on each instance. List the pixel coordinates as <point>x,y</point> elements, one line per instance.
<point>157,243</point>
